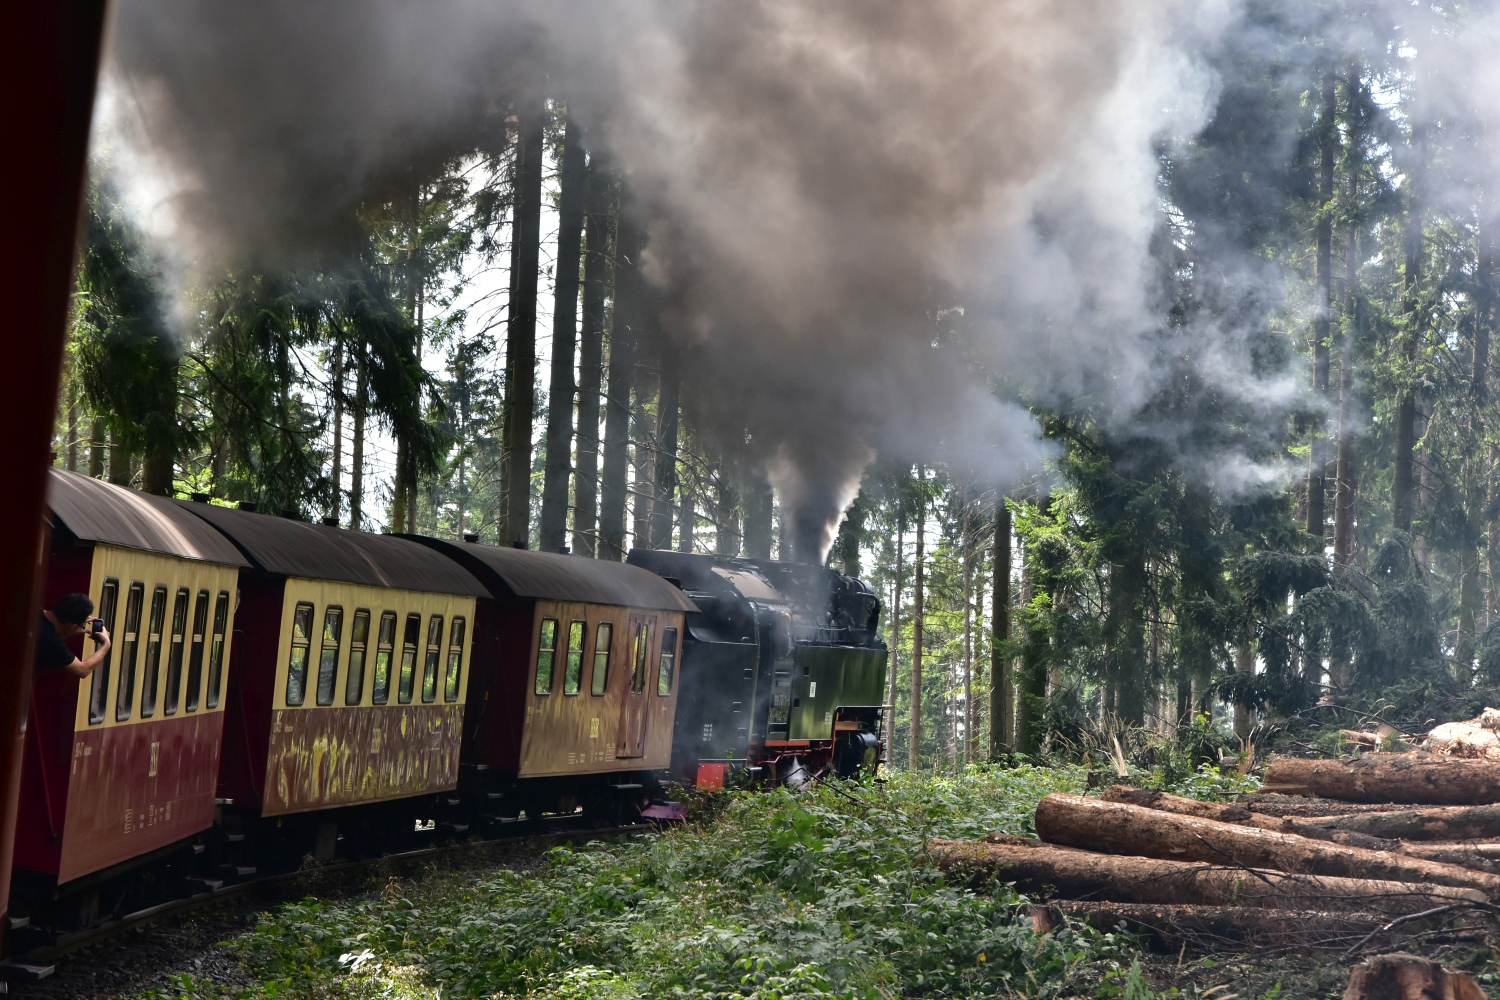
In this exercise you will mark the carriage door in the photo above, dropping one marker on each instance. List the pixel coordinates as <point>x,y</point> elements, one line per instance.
<point>633,715</point>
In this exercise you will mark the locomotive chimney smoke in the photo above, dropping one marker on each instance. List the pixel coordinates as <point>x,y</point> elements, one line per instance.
<point>880,227</point>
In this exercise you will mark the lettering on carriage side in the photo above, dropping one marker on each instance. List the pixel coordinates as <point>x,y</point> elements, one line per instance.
<point>594,728</point>
<point>155,758</point>
<point>129,820</point>
<point>812,689</point>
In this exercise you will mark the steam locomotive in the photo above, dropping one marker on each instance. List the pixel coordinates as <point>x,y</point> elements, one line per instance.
<point>278,689</point>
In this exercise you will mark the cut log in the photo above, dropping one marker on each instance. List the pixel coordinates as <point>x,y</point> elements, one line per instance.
<point>1409,977</point>
<point>1271,804</point>
<point>1480,857</point>
<point>1411,778</point>
<point>1437,823</point>
<point>1170,927</point>
<point>1059,872</point>
<point>1120,828</point>
<point>1234,812</point>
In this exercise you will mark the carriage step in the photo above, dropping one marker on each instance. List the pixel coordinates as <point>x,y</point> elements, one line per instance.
<point>15,923</point>
<point>24,971</point>
<point>234,838</point>
<point>454,803</point>
<point>456,828</point>
<point>238,871</point>
<point>205,884</point>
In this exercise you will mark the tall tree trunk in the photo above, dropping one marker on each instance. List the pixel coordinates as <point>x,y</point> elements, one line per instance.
<point>726,507</point>
<point>336,477</point>
<point>894,661</point>
<point>1031,686</point>
<point>1244,663</point>
<point>629,291</point>
<point>759,501</point>
<point>1317,486</point>
<point>400,491</point>
<point>554,522</point>
<point>968,568</point>
<point>664,477</point>
<point>642,461</point>
<point>919,582</point>
<point>687,516</point>
<point>596,267</point>
<point>119,461</point>
<point>357,459</point>
<point>520,341</point>
<point>1411,339</point>
<point>96,448</point>
<point>72,423</point>
<point>1002,683</point>
<point>1345,491</point>
<point>160,459</point>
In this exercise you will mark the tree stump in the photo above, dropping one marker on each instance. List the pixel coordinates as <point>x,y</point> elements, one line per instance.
<point>1409,977</point>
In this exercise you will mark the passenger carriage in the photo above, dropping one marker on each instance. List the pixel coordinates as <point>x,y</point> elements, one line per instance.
<point>574,688</point>
<point>120,769</point>
<point>349,681</point>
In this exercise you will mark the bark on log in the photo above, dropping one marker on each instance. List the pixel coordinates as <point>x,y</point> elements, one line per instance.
<point>1438,823</point>
<point>1480,857</point>
<point>1409,778</point>
<point>1409,977</point>
<point>1046,871</point>
<point>1119,828</point>
<point>1234,812</point>
<point>1272,804</point>
<point>1170,927</point>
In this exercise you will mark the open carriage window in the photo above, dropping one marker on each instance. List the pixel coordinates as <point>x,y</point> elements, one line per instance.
<point>668,664</point>
<point>641,654</point>
<point>152,668</point>
<point>409,657</point>
<point>109,596</point>
<point>380,690</point>
<point>573,670</point>
<point>328,660</point>
<point>546,655</point>
<point>359,635</point>
<point>125,687</point>
<point>604,636</point>
<point>195,652</point>
<point>216,649</point>
<point>296,672</point>
<point>434,655</point>
<point>455,660</point>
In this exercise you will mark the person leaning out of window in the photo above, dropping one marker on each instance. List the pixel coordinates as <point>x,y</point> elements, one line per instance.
<point>70,616</point>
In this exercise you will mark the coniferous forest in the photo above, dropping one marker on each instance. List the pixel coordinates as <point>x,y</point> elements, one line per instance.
<point>1261,495</point>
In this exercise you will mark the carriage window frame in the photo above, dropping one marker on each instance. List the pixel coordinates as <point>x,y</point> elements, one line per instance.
<point>359,644</point>
<point>457,633</point>
<point>385,655</point>
<point>216,650</point>
<point>328,654</point>
<point>410,637</point>
<point>573,663</point>
<point>546,652</point>
<point>640,658</point>
<point>135,601</point>
<point>604,639</point>
<point>109,599</point>
<point>151,669</point>
<point>433,660</point>
<point>176,648</point>
<point>192,696</point>
<point>296,666</point>
<point>666,664</point>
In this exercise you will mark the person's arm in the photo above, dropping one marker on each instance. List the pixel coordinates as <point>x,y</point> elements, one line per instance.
<point>82,668</point>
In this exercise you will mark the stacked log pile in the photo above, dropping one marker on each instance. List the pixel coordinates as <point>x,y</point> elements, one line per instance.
<point>1345,855</point>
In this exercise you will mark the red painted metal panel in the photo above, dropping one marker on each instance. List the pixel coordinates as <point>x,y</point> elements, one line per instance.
<point>321,757</point>
<point>252,678</point>
<point>498,678</point>
<point>139,787</point>
<point>49,58</point>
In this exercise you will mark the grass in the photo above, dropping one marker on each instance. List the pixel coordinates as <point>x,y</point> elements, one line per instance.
<point>827,893</point>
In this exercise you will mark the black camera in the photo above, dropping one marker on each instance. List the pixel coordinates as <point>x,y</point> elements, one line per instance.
<point>96,625</point>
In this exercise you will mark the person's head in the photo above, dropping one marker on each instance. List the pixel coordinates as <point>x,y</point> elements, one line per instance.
<point>72,613</point>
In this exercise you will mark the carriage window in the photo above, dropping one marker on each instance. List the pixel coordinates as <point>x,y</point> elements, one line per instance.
<point>153,651</point>
<point>434,656</point>
<point>640,653</point>
<point>216,650</point>
<point>546,655</point>
<point>668,661</point>
<point>354,686</point>
<point>174,652</point>
<point>455,660</point>
<point>99,679</point>
<point>409,657</point>
<point>296,670</point>
<point>604,635</point>
<point>573,670</point>
<point>125,691</point>
<point>195,652</point>
<point>380,691</point>
<point>328,661</point>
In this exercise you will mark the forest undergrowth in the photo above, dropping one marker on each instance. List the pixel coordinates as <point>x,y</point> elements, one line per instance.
<point>822,893</point>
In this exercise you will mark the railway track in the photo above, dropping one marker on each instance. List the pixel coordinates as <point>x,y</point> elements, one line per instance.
<point>38,964</point>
